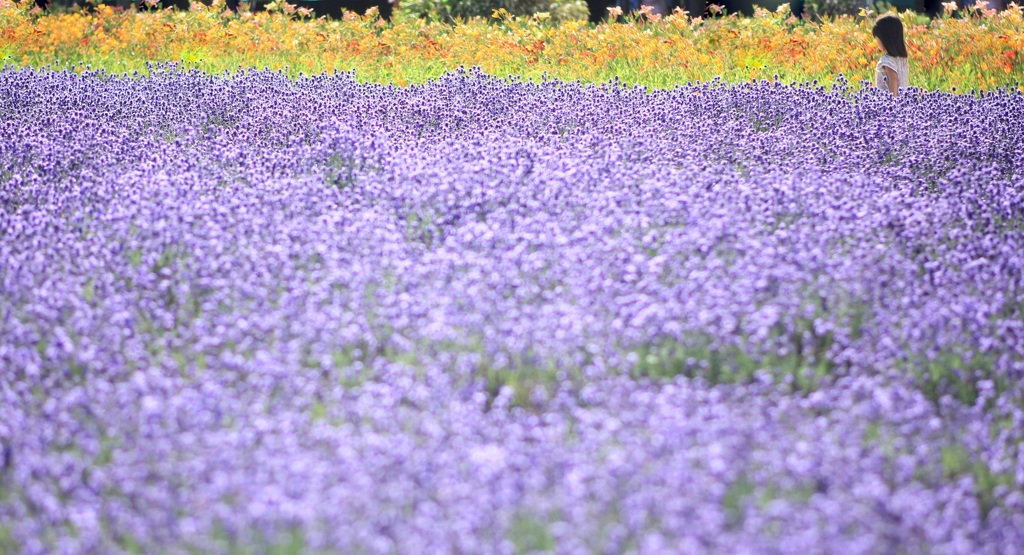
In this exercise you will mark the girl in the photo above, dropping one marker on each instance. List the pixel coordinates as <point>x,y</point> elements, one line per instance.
<point>893,70</point>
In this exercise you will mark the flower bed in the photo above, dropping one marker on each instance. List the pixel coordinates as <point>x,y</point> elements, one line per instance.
<point>250,313</point>
<point>979,51</point>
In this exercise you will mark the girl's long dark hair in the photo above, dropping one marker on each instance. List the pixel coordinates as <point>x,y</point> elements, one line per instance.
<point>889,30</point>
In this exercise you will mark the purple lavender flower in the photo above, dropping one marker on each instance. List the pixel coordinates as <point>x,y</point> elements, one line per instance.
<point>245,313</point>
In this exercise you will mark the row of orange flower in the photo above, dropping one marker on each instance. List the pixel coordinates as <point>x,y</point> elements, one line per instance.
<point>974,50</point>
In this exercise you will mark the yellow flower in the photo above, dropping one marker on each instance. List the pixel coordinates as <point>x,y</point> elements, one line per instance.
<point>682,48</point>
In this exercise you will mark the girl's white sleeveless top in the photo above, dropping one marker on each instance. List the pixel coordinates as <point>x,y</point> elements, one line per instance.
<point>900,65</point>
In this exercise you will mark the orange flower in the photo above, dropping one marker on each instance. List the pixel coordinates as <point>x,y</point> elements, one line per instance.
<point>672,50</point>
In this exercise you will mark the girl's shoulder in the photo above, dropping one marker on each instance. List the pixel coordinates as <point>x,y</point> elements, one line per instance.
<point>887,61</point>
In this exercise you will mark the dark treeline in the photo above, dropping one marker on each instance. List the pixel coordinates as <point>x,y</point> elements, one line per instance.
<point>329,8</point>
<point>598,9</point>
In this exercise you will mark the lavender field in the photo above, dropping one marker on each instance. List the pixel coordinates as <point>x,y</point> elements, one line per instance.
<point>248,314</point>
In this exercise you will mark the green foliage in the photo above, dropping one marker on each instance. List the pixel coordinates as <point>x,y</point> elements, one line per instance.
<point>985,483</point>
<point>452,10</point>
<point>530,535</point>
<point>958,374</point>
<point>318,411</point>
<point>818,9</point>
<point>89,290</point>
<point>735,499</point>
<point>805,366</point>
<point>523,373</point>
<point>956,461</point>
<point>743,493</point>
<point>287,541</point>
<point>833,8</point>
<point>7,543</point>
